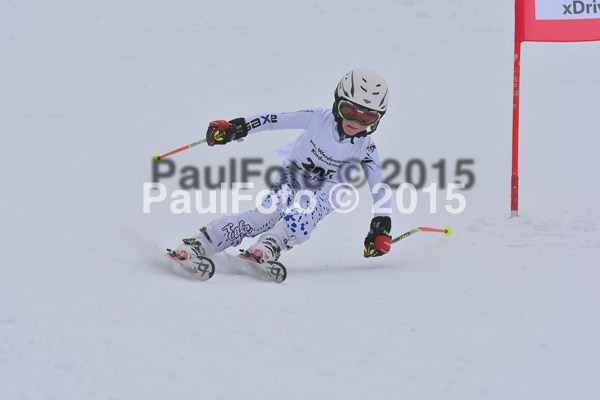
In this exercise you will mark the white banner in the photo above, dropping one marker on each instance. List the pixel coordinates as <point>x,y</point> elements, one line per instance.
<point>567,9</point>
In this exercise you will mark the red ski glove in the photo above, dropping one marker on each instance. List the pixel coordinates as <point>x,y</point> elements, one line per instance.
<point>223,132</point>
<point>378,240</point>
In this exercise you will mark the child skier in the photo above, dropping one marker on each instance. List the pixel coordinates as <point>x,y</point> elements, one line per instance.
<point>331,140</point>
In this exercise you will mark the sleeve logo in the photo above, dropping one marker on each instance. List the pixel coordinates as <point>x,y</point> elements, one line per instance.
<point>262,120</point>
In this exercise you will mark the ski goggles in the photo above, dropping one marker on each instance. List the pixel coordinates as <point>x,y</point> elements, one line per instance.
<point>354,112</point>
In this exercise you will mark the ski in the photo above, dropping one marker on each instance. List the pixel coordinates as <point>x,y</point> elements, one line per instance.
<point>203,268</point>
<point>200,267</point>
<point>269,270</point>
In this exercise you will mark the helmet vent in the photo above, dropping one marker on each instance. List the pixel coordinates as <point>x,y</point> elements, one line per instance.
<point>363,89</point>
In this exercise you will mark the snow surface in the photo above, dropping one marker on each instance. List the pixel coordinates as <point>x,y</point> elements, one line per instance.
<point>503,309</point>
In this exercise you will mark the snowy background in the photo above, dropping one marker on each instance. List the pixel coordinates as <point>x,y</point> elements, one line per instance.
<point>90,90</point>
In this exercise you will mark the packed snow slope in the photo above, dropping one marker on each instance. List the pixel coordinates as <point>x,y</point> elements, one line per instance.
<point>89,309</point>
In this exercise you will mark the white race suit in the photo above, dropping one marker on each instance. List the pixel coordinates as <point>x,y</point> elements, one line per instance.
<point>312,164</point>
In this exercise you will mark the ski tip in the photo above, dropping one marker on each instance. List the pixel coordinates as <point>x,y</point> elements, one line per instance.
<point>277,270</point>
<point>447,231</point>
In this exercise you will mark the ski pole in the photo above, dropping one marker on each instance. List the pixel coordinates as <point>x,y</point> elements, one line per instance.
<point>157,158</point>
<point>446,231</point>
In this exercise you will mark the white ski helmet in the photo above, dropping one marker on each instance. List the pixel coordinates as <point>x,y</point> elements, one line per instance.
<point>364,88</point>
